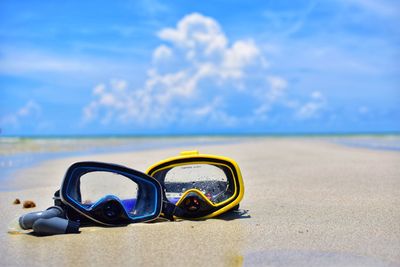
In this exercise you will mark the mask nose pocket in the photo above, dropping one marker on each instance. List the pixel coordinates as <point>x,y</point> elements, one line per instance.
<point>109,208</point>
<point>194,202</point>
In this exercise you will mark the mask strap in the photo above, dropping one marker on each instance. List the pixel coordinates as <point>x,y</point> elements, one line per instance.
<point>70,213</point>
<point>57,199</point>
<point>170,210</point>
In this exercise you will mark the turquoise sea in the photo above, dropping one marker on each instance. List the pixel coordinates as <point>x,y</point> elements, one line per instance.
<point>389,142</point>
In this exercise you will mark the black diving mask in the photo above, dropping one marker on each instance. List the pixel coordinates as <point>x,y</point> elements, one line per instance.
<point>111,194</point>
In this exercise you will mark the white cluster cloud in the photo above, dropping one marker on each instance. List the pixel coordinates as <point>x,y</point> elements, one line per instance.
<point>196,31</point>
<point>201,52</point>
<point>203,42</point>
<point>194,72</point>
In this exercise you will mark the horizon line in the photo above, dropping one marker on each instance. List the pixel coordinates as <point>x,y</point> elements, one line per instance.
<point>163,135</point>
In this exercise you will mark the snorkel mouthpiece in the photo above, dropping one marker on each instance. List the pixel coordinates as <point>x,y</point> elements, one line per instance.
<point>26,221</point>
<point>55,226</point>
<point>49,222</point>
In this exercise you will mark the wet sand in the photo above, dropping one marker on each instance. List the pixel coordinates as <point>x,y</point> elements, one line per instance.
<point>308,203</point>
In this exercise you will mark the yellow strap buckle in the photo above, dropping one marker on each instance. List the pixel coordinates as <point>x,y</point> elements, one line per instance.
<point>189,152</point>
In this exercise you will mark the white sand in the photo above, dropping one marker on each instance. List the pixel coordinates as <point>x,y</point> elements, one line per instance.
<point>309,203</point>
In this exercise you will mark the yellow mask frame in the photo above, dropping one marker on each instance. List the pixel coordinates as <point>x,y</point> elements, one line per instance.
<point>194,157</point>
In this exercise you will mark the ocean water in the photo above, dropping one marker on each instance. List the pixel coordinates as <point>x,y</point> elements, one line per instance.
<point>375,142</point>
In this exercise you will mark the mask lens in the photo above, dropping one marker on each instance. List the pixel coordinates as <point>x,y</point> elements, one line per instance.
<point>214,181</point>
<point>97,184</point>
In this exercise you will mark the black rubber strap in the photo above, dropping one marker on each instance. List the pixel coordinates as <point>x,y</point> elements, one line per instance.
<point>170,210</point>
<point>57,199</point>
<point>73,227</point>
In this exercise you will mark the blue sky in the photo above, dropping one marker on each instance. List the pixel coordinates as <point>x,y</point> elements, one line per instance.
<point>196,67</point>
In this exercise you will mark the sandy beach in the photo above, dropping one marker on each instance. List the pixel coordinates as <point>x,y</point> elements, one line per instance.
<point>307,203</point>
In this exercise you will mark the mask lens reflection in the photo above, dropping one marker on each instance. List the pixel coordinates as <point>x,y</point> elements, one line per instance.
<point>98,184</point>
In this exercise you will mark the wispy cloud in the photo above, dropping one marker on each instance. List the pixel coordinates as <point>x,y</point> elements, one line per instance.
<point>27,62</point>
<point>153,7</point>
<point>287,22</point>
<point>382,8</point>
<point>31,62</point>
<point>312,108</point>
<point>30,112</point>
<point>81,64</point>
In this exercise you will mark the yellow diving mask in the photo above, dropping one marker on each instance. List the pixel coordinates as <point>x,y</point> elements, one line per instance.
<point>199,185</point>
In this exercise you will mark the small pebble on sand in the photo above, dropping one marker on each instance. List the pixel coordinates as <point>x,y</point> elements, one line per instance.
<point>28,204</point>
